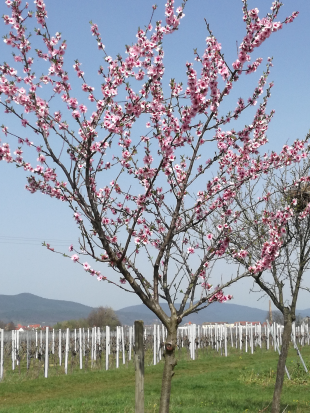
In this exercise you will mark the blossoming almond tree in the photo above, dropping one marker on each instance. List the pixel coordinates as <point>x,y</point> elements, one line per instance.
<point>133,191</point>
<point>275,236</point>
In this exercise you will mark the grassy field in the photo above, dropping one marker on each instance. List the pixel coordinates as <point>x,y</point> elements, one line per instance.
<point>239,383</point>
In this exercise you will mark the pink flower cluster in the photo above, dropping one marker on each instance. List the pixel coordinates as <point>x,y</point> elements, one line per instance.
<point>219,296</point>
<point>164,161</point>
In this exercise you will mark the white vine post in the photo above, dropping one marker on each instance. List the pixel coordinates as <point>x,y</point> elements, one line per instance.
<point>46,353</point>
<point>81,348</point>
<point>154,345</point>
<point>13,350</point>
<point>95,343</point>
<point>130,343</point>
<point>117,346</point>
<point>225,340</point>
<point>94,338</point>
<point>99,340</point>
<point>92,347</point>
<point>107,347</point>
<point>83,342</point>
<point>41,343</point>
<point>53,342</point>
<point>36,344</point>
<point>1,353</point>
<point>59,347</point>
<point>193,337</point>
<point>67,351</point>
<point>158,344</point>
<point>17,347</point>
<point>27,350</point>
<point>221,332</point>
<point>123,344</point>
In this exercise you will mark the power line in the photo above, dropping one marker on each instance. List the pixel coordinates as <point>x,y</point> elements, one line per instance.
<point>8,237</point>
<point>13,240</point>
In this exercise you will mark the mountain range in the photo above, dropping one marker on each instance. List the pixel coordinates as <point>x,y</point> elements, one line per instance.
<point>28,308</point>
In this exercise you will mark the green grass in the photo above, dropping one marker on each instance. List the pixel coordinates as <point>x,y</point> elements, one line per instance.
<point>239,383</point>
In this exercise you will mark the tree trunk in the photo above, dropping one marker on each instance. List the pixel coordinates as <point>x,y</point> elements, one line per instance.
<point>281,363</point>
<point>170,363</point>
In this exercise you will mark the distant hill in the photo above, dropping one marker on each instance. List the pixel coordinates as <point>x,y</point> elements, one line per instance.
<point>215,312</point>
<point>28,308</point>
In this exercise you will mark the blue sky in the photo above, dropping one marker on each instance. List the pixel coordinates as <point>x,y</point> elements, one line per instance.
<point>28,220</point>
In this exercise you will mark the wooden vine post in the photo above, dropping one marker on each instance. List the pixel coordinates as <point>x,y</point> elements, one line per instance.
<point>139,367</point>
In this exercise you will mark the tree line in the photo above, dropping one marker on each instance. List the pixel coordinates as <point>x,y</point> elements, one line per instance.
<point>7,326</point>
<point>99,317</point>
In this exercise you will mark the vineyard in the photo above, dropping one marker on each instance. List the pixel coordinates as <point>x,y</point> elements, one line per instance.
<point>55,352</point>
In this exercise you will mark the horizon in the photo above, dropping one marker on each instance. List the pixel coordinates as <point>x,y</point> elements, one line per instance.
<point>141,304</point>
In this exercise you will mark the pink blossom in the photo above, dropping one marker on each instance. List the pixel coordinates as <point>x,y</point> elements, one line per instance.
<point>41,158</point>
<point>77,217</point>
<point>70,248</point>
<point>126,154</point>
<point>76,114</point>
<point>86,266</point>
<point>83,108</point>
<point>75,258</point>
<point>243,253</point>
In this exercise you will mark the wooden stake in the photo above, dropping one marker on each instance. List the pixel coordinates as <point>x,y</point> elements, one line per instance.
<point>139,366</point>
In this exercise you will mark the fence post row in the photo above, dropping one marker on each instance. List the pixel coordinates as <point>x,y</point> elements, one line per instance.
<point>17,348</point>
